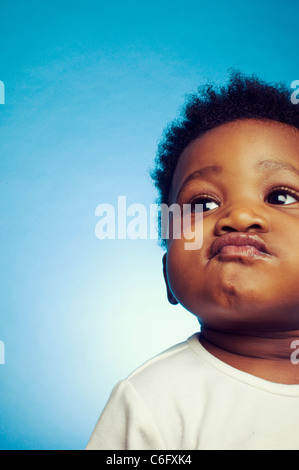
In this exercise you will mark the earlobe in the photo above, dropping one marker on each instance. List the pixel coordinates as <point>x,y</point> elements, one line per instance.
<point>170,296</point>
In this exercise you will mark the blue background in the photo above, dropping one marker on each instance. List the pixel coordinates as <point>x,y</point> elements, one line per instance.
<point>89,88</point>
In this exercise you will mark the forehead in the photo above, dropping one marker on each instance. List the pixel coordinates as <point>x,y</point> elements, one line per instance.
<point>244,143</point>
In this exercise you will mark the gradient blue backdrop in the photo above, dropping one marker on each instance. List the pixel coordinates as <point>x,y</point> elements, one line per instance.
<point>89,87</point>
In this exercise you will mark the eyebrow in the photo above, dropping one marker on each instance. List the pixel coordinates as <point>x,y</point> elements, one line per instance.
<point>274,165</point>
<point>269,166</point>
<point>201,173</point>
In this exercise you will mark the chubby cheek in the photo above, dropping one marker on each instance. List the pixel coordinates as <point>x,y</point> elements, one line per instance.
<point>218,293</point>
<point>184,274</point>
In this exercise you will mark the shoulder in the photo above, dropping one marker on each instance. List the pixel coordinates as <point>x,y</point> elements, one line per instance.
<point>169,357</point>
<point>169,368</point>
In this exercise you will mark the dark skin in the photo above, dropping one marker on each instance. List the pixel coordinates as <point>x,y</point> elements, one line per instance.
<point>246,175</point>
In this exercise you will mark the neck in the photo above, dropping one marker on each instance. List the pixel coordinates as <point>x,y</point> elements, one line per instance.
<point>268,355</point>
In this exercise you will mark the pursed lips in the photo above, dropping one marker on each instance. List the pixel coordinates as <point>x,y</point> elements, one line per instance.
<point>239,244</point>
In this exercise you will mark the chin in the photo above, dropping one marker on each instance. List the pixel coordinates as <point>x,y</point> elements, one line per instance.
<point>240,313</point>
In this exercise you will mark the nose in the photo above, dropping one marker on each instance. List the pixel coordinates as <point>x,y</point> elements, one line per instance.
<point>245,218</point>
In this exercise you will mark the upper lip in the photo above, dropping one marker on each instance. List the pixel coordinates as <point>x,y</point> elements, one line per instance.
<point>238,239</point>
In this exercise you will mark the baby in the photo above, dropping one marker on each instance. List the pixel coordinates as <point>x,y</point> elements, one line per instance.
<point>233,385</point>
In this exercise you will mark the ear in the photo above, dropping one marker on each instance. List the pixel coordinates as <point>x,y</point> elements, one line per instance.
<point>170,296</point>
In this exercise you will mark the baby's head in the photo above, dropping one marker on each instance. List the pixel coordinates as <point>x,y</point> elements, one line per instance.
<point>236,152</point>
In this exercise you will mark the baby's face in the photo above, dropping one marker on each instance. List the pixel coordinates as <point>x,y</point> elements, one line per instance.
<point>246,175</point>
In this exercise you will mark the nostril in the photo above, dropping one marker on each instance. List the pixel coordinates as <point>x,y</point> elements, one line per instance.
<point>227,228</point>
<point>242,219</point>
<point>254,227</point>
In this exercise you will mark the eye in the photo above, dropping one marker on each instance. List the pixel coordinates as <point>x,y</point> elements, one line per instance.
<point>208,203</point>
<point>282,196</point>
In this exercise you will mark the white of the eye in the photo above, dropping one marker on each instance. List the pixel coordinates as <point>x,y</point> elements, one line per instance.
<point>211,205</point>
<point>286,198</point>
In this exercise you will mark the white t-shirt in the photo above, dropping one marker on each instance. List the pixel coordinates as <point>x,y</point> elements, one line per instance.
<point>187,399</point>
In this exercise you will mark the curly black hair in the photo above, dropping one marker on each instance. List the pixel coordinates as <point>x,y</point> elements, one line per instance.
<point>243,97</point>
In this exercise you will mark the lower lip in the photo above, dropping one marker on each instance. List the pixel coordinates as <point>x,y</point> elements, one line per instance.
<point>247,251</point>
